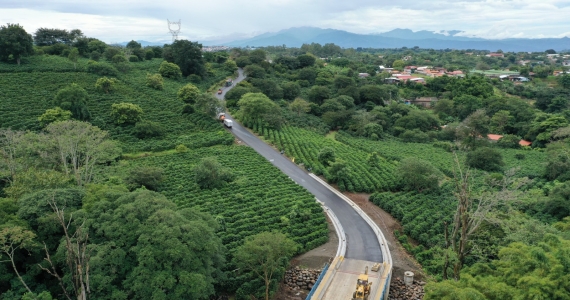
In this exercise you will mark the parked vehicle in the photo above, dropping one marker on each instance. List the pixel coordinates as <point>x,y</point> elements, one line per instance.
<point>228,123</point>
<point>219,91</point>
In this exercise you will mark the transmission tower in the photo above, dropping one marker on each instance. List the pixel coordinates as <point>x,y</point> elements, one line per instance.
<point>174,32</point>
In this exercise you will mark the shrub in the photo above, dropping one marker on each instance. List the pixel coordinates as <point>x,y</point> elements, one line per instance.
<point>194,78</point>
<point>485,158</point>
<point>133,58</point>
<point>119,58</point>
<point>188,109</point>
<point>169,70</point>
<point>149,177</point>
<point>95,55</point>
<point>102,69</point>
<point>110,53</point>
<point>154,81</point>
<point>509,141</point>
<point>149,54</point>
<point>188,93</point>
<point>146,129</point>
<point>415,136</point>
<point>181,148</point>
<point>209,173</point>
<point>126,113</point>
<point>106,84</point>
<point>326,156</point>
<point>54,115</point>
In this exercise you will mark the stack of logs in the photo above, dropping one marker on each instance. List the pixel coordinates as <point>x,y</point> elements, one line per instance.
<point>399,290</point>
<point>301,279</point>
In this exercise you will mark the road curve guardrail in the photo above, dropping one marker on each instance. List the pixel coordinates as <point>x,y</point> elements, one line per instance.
<point>341,249</point>
<point>378,293</point>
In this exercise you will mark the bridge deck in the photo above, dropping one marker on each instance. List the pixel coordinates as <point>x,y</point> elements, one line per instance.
<point>343,283</point>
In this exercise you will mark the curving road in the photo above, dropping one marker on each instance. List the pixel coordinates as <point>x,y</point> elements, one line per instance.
<point>362,243</point>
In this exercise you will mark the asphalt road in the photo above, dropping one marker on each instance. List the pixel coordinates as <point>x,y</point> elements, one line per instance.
<point>361,241</point>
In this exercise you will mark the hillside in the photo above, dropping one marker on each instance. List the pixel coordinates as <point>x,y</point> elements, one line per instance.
<point>243,207</point>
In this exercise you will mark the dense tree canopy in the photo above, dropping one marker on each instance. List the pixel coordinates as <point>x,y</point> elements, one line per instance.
<point>188,56</point>
<point>15,42</point>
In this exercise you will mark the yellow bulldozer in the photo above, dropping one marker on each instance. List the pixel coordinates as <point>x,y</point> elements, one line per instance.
<point>362,286</point>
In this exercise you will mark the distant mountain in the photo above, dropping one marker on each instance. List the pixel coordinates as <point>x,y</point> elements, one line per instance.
<point>144,43</point>
<point>397,38</point>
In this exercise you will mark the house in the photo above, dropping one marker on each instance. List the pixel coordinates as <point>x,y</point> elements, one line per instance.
<point>391,80</point>
<point>501,55</point>
<point>424,101</point>
<point>455,73</point>
<point>523,62</point>
<point>363,75</point>
<point>406,58</point>
<point>566,63</point>
<point>494,137</point>
<point>417,80</point>
<point>524,143</point>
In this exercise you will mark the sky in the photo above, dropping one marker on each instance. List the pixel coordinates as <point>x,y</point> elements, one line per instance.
<point>117,21</point>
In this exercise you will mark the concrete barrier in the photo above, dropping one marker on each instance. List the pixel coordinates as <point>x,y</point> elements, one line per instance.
<point>341,249</point>
<point>327,279</point>
<point>379,235</point>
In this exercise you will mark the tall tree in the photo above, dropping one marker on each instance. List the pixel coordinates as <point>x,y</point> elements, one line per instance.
<point>300,106</point>
<point>15,42</point>
<point>73,98</point>
<point>13,239</point>
<point>188,56</point>
<point>256,105</point>
<point>80,146</point>
<point>266,254</point>
<point>73,56</point>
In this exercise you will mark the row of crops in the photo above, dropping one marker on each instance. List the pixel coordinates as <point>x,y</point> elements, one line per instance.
<point>422,215</point>
<point>250,204</point>
<point>530,162</point>
<point>303,146</point>
<point>25,96</point>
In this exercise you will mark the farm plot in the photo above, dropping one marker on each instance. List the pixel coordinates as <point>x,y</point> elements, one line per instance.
<point>529,162</point>
<point>25,96</point>
<point>260,198</point>
<point>303,146</point>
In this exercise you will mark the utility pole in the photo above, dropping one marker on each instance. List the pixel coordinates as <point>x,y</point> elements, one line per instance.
<point>174,32</point>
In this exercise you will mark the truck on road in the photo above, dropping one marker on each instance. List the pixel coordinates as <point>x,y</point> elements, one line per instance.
<point>228,123</point>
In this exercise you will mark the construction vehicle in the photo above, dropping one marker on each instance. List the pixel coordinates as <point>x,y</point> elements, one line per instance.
<point>362,286</point>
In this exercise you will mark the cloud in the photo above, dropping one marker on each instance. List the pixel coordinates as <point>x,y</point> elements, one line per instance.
<point>117,21</point>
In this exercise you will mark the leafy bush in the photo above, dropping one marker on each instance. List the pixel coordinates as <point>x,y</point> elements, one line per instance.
<point>326,156</point>
<point>149,54</point>
<point>149,177</point>
<point>146,129</point>
<point>73,98</point>
<point>102,69</point>
<point>154,81</point>
<point>126,113</point>
<point>188,109</point>
<point>181,148</point>
<point>95,55</point>
<point>54,115</point>
<point>209,174</point>
<point>169,70</point>
<point>134,58</point>
<point>106,84</point>
<point>119,58</point>
<point>188,93</point>
<point>486,159</point>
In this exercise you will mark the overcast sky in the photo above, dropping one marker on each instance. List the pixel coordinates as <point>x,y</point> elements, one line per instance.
<point>118,21</point>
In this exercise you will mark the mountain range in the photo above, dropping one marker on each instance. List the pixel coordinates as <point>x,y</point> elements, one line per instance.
<point>397,38</point>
